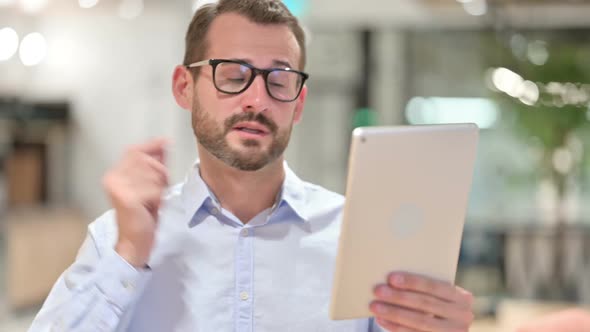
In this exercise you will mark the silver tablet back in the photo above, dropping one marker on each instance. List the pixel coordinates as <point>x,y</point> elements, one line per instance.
<point>406,199</point>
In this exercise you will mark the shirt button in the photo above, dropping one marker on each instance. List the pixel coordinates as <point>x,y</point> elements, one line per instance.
<point>214,211</point>
<point>244,232</point>
<point>244,296</point>
<point>128,285</point>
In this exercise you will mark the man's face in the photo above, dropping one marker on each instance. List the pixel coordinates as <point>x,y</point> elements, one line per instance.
<point>249,130</point>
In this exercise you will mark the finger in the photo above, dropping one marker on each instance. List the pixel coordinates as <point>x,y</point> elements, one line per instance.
<point>161,155</point>
<point>159,170</point>
<point>411,319</point>
<point>143,174</point>
<point>152,198</point>
<point>423,302</point>
<point>465,296</point>
<point>148,180</point>
<point>443,290</point>
<point>147,188</point>
<point>147,166</point>
<point>392,327</point>
<point>154,147</point>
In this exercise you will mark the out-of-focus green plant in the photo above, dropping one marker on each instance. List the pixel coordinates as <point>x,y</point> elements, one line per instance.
<point>558,117</point>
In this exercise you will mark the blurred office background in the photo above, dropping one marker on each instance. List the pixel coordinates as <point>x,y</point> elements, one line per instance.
<point>81,80</point>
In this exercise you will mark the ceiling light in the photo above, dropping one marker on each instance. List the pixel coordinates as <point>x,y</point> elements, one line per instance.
<point>8,43</point>
<point>33,49</point>
<point>476,7</point>
<point>87,3</point>
<point>33,6</point>
<point>537,52</point>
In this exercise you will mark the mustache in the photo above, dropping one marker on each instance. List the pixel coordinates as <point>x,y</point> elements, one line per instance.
<point>250,117</point>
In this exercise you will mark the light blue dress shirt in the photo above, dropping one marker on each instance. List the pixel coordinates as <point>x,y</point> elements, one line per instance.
<point>209,271</point>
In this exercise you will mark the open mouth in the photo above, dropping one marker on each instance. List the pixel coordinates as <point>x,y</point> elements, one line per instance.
<point>251,128</point>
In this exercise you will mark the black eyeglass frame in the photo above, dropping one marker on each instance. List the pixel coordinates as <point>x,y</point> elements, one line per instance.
<point>255,72</point>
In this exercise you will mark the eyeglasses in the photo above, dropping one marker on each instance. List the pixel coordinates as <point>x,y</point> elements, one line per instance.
<point>234,77</point>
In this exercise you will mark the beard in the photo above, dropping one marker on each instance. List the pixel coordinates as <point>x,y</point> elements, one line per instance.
<point>212,137</point>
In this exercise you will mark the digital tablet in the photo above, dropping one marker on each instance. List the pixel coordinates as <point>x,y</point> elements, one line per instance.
<point>406,197</point>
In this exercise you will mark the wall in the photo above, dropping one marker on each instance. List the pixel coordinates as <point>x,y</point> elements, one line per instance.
<point>116,75</point>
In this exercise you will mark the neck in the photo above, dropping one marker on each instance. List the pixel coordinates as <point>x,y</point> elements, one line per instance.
<point>243,193</point>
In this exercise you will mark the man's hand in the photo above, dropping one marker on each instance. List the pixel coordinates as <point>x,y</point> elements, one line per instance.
<point>135,186</point>
<point>570,320</point>
<point>409,302</point>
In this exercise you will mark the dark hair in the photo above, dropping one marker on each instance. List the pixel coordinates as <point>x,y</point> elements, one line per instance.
<point>258,11</point>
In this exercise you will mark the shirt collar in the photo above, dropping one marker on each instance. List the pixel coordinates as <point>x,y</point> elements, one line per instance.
<point>196,194</point>
<point>293,194</point>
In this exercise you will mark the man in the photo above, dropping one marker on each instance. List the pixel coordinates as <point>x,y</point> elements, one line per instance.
<point>242,244</point>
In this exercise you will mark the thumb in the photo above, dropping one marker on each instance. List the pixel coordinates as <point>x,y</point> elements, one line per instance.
<point>156,148</point>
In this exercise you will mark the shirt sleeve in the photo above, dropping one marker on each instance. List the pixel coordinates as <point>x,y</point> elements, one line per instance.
<point>374,327</point>
<point>94,293</point>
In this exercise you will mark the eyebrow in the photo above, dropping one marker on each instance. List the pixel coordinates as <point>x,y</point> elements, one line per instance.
<point>275,63</point>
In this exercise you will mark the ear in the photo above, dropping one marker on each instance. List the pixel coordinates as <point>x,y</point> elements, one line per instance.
<point>300,103</point>
<point>183,87</point>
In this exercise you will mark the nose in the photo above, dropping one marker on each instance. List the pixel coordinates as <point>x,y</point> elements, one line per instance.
<point>256,98</point>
